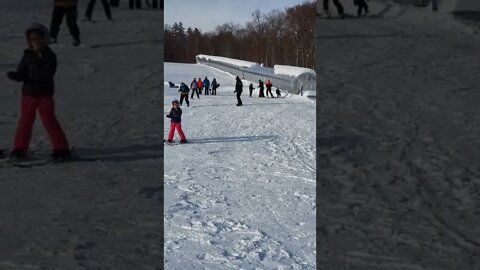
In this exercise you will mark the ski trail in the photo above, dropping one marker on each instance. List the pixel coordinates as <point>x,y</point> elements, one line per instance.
<point>243,192</point>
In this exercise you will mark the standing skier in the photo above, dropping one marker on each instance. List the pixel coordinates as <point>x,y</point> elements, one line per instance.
<point>65,8</point>
<point>37,70</point>
<point>215,85</point>
<point>206,84</point>
<point>200,85</point>
<point>337,4</point>
<point>251,89</point>
<point>176,123</point>
<point>269,88</point>
<point>260,85</point>
<point>194,87</point>
<point>238,90</point>
<point>184,94</point>
<point>362,8</point>
<point>106,8</point>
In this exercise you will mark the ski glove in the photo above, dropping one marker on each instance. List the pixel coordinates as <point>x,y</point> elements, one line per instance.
<point>169,116</point>
<point>14,76</point>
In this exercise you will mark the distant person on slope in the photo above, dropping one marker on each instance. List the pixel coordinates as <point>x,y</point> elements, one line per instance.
<point>206,84</point>
<point>337,4</point>
<point>269,88</point>
<point>261,92</point>
<point>215,85</point>
<point>37,70</point>
<point>65,8</point>
<point>362,8</point>
<point>184,94</point>
<point>176,123</point>
<point>251,89</point>
<point>238,90</point>
<point>279,92</point>
<point>194,87</point>
<point>200,85</point>
<point>91,5</point>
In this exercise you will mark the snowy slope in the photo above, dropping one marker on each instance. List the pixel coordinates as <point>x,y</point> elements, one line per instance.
<point>242,194</point>
<point>88,215</point>
<point>398,134</point>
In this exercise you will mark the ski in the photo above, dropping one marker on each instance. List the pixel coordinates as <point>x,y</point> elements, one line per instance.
<point>51,161</point>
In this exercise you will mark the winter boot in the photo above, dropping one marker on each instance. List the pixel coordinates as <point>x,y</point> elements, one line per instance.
<point>183,141</point>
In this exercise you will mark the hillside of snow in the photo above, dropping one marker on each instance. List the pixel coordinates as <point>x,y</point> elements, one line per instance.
<point>398,133</point>
<point>87,215</point>
<point>241,195</point>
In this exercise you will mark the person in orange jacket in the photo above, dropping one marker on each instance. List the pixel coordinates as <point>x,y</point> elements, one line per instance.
<point>200,85</point>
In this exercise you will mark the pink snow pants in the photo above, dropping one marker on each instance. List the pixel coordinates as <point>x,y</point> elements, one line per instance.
<point>178,127</point>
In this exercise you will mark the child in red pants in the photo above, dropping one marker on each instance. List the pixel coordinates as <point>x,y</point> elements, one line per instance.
<point>36,70</point>
<point>176,122</point>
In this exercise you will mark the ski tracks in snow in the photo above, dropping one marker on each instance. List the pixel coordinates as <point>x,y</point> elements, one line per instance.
<point>242,194</point>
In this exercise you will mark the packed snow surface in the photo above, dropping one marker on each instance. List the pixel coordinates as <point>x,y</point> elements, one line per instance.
<point>398,141</point>
<point>241,195</point>
<point>87,215</point>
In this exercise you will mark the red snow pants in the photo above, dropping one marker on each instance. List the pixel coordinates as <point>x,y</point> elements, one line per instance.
<point>178,127</point>
<point>46,109</point>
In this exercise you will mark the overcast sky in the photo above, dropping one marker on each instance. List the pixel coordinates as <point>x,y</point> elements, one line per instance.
<point>207,14</point>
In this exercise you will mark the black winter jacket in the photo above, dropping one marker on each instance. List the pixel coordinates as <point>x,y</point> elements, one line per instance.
<point>184,89</point>
<point>175,115</point>
<point>36,71</point>
<point>238,86</point>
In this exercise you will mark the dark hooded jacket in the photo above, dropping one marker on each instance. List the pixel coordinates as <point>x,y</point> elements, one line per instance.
<point>175,115</point>
<point>238,86</point>
<point>37,70</point>
<point>184,89</point>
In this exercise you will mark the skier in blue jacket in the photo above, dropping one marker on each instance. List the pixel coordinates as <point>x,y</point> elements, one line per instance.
<point>206,84</point>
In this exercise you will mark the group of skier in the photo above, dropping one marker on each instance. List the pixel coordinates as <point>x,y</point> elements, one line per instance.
<point>261,86</point>
<point>69,9</point>
<point>198,87</point>
<point>362,7</point>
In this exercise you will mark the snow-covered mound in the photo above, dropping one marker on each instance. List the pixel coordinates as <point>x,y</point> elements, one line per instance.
<point>292,71</point>
<point>241,195</point>
<point>231,61</point>
<point>458,6</point>
<point>295,80</point>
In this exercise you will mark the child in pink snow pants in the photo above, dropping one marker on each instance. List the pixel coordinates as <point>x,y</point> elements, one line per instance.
<point>176,122</point>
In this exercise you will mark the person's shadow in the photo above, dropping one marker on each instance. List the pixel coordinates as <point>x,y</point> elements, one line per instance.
<point>122,154</point>
<point>153,152</point>
<point>233,139</point>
